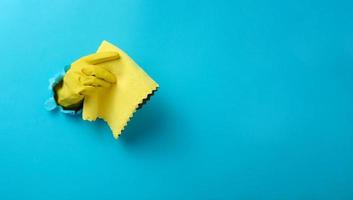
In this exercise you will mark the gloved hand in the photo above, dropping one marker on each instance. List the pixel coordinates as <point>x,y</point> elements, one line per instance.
<point>83,77</point>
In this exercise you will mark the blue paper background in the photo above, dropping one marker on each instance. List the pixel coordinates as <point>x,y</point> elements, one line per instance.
<point>256,100</point>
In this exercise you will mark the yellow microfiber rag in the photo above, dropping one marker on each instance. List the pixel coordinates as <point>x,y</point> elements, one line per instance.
<point>116,104</point>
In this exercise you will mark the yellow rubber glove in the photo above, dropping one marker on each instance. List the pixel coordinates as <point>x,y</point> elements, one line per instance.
<point>83,77</point>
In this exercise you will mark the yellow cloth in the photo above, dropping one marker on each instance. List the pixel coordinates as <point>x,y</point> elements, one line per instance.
<point>116,104</point>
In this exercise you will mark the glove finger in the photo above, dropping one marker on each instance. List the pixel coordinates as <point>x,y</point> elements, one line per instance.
<point>99,72</point>
<point>101,57</point>
<point>86,90</point>
<point>95,82</point>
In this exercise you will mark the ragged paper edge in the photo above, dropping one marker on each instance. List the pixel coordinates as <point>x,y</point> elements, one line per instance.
<point>138,106</point>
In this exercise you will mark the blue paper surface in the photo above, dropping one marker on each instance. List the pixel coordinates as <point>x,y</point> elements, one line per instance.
<point>256,101</point>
